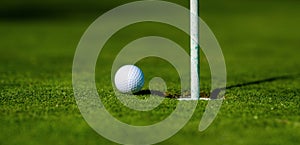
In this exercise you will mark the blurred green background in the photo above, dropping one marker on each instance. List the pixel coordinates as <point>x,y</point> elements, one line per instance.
<point>259,38</point>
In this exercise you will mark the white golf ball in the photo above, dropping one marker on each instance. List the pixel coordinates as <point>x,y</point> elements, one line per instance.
<point>129,79</point>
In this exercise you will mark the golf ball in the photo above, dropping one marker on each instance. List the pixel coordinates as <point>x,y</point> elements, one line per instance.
<point>129,79</point>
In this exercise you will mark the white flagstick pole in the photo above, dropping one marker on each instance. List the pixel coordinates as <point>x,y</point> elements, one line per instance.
<point>194,40</point>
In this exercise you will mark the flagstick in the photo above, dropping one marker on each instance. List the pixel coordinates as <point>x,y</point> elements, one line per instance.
<point>194,42</point>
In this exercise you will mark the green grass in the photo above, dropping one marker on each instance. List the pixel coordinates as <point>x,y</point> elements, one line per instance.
<point>260,40</point>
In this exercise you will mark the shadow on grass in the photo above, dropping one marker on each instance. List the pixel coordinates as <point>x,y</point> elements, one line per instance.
<point>216,92</point>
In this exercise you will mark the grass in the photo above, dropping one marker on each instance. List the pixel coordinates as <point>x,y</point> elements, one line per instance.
<point>259,41</point>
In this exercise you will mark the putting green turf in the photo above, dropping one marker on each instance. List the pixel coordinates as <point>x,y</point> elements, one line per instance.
<point>260,40</point>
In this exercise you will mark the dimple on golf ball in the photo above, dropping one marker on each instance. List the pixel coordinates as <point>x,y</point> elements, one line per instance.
<point>129,79</point>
